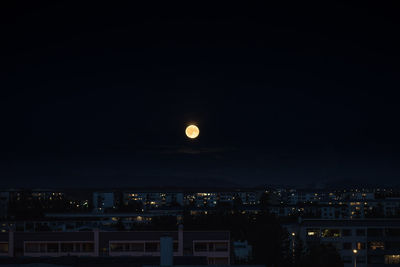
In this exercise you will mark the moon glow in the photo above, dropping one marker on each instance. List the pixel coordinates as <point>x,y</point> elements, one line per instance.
<point>192,131</point>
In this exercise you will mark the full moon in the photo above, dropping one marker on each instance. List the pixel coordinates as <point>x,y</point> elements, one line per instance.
<point>192,131</point>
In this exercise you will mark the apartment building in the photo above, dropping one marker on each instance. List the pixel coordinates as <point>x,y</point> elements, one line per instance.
<point>249,198</point>
<point>368,242</point>
<point>214,245</point>
<point>103,201</point>
<point>154,199</point>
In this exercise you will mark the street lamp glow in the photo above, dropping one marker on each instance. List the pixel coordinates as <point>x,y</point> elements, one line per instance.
<point>355,257</point>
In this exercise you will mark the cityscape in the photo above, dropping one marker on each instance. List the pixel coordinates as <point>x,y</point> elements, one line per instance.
<point>44,223</point>
<point>166,134</point>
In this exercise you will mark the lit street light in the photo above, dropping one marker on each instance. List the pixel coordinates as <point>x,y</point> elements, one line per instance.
<point>355,257</point>
<point>293,247</point>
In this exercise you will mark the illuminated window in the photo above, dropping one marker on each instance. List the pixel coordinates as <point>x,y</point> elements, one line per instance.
<point>377,245</point>
<point>330,233</point>
<point>392,259</point>
<point>313,232</point>
<point>360,245</point>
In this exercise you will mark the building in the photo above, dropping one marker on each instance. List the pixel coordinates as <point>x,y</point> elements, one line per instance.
<point>390,207</point>
<point>377,242</point>
<point>214,245</point>
<point>102,201</point>
<point>225,197</point>
<point>154,199</point>
<point>248,198</point>
<point>358,195</point>
<point>206,199</point>
<point>242,251</point>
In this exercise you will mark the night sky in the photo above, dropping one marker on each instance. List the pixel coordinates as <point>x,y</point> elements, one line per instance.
<point>100,95</point>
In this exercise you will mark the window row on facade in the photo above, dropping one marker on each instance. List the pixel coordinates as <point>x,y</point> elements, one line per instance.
<point>337,232</point>
<point>57,247</point>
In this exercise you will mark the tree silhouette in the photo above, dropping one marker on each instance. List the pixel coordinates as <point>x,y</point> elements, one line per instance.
<point>322,255</point>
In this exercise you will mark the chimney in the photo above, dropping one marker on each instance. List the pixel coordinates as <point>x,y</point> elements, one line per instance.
<point>166,251</point>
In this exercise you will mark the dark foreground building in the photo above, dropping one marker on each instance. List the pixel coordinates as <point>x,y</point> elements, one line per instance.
<point>214,246</point>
